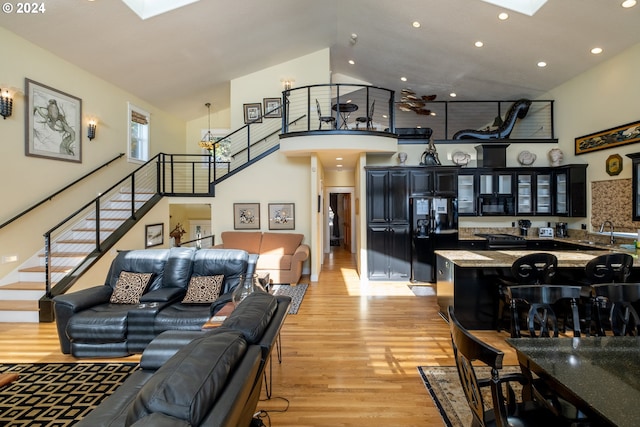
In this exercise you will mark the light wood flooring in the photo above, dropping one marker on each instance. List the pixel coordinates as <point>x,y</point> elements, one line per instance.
<point>349,357</point>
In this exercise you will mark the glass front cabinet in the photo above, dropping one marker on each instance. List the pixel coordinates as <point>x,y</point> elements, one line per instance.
<point>635,186</point>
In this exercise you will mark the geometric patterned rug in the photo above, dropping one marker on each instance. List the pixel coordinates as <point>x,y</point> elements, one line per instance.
<point>443,384</point>
<point>296,293</point>
<point>57,394</point>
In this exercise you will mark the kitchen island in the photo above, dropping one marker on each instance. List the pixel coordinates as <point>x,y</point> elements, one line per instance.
<point>467,279</point>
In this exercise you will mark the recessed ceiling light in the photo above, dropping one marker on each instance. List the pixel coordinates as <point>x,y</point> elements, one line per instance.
<point>338,166</point>
<point>404,79</point>
<point>628,3</point>
<point>503,16</point>
<point>453,94</point>
<point>352,62</point>
<point>416,24</point>
<point>596,50</point>
<point>338,158</point>
<point>542,64</point>
<point>479,44</point>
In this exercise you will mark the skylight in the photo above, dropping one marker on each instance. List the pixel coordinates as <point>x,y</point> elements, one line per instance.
<point>526,7</point>
<point>149,8</point>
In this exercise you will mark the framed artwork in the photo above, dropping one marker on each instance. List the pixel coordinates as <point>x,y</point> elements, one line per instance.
<point>614,164</point>
<point>272,107</point>
<point>253,113</point>
<point>282,216</point>
<point>614,137</point>
<point>246,216</point>
<point>154,235</point>
<point>53,123</point>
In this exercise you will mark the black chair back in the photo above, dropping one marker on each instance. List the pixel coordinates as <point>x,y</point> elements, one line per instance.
<point>536,268</point>
<point>541,319</point>
<point>609,268</point>
<point>614,308</point>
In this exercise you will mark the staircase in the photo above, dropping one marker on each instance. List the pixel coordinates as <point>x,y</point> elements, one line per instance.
<point>19,299</point>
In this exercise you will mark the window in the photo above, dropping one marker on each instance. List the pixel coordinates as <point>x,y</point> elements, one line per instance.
<point>138,144</point>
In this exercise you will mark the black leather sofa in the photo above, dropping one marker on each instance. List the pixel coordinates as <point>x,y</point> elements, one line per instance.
<point>200,378</point>
<point>89,325</point>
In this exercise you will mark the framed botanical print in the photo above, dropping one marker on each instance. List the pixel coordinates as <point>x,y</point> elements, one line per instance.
<point>246,216</point>
<point>272,107</point>
<point>282,216</point>
<point>53,123</point>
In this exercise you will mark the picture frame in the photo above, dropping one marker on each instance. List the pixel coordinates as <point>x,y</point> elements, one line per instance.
<point>282,216</point>
<point>246,216</point>
<point>252,113</point>
<point>53,125</point>
<point>153,235</point>
<point>614,164</point>
<point>272,107</point>
<point>609,138</point>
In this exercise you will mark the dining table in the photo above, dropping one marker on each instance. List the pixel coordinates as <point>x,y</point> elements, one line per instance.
<point>599,375</point>
<point>344,109</point>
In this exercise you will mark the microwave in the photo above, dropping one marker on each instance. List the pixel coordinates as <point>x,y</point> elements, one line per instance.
<point>501,204</point>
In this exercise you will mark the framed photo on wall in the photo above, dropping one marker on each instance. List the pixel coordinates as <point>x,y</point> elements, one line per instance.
<point>154,235</point>
<point>282,216</point>
<point>53,123</point>
<point>252,113</point>
<point>272,107</point>
<point>246,216</point>
<point>609,138</point>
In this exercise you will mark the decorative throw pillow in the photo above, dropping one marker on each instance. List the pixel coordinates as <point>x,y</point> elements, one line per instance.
<point>204,289</point>
<point>130,287</point>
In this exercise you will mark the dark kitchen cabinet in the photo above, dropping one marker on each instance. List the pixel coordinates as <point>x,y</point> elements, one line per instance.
<point>570,190</point>
<point>434,181</point>
<point>388,231</point>
<point>534,192</point>
<point>635,186</point>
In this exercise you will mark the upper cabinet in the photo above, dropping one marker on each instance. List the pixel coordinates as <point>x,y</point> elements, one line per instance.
<point>635,186</point>
<point>570,189</point>
<point>433,181</point>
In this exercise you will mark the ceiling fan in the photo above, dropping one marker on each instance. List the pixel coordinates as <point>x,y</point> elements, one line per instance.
<point>409,101</point>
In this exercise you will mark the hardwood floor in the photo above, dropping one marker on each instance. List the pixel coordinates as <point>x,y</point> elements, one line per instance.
<point>349,356</point>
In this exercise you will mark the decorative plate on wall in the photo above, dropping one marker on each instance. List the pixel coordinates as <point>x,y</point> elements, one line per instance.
<point>614,164</point>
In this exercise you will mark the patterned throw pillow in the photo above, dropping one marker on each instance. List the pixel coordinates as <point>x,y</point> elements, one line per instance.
<point>204,289</point>
<point>130,287</point>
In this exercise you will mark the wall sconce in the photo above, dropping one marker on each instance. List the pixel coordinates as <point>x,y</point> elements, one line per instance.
<point>6,103</point>
<point>91,130</point>
<point>287,83</point>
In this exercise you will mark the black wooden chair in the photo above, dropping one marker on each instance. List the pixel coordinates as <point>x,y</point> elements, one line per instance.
<point>324,119</point>
<point>366,120</point>
<point>505,411</point>
<point>606,268</point>
<point>541,319</point>
<point>614,308</point>
<point>532,269</point>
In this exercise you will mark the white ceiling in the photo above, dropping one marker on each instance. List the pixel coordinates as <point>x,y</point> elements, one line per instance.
<point>183,58</point>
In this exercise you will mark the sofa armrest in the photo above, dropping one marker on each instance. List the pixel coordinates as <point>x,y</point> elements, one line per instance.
<point>301,253</point>
<point>158,419</point>
<point>163,295</point>
<point>221,302</point>
<point>66,305</point>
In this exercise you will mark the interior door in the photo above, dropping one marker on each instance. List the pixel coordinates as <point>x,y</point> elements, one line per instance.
<point>346,216</point>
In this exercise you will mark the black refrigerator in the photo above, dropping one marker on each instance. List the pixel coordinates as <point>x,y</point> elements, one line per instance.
<point>434,225</point>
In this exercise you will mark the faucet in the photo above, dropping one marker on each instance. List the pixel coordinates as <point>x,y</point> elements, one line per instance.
<point>613,240</point>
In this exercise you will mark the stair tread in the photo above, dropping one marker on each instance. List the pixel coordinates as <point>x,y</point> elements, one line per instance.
<point>66,254</point>
<point>53,269</point>
<point>24,286</point>
<point>19,305</point>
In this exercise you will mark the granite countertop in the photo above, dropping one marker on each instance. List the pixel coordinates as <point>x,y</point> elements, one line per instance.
<point>588,366</point>
<point>505,258</point>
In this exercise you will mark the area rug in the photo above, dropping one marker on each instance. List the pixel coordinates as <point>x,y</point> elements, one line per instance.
<point>57,394</point>
<point>296,293</point>
<point>443,385</point>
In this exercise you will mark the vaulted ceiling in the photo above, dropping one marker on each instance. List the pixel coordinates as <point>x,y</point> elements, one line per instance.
<point>183,58</point>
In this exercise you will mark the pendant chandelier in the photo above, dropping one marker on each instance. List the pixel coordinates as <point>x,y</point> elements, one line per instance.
<point>207,142</point>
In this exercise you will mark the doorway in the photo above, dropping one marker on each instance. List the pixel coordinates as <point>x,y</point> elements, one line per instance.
<point>339,219</point>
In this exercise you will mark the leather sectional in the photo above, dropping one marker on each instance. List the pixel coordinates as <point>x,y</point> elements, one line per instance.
<point>89,325</point>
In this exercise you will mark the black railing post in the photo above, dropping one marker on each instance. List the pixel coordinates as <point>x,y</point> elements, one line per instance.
<point>98,243</point>
<point>172,174</point>
<point>553,132</point>
<point>309,109</point>
<point>248,143</point>
<point>133,196</point>
<point>159,175</point>
<point>47,264</point>
<point>392,113</point>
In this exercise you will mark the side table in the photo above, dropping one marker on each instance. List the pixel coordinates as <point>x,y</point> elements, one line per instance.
<point>265,281</point>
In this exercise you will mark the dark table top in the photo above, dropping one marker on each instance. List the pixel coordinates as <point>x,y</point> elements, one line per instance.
<point>347,107</point>
<point>601,372</point>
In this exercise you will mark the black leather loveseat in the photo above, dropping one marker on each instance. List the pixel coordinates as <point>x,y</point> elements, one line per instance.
<point>89,324</point>
<point>200,378</point>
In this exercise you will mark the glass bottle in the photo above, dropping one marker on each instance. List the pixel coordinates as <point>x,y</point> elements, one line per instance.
<point>248,284</point>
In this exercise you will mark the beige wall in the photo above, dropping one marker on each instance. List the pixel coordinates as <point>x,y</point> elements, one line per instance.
<point>27,180</point>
